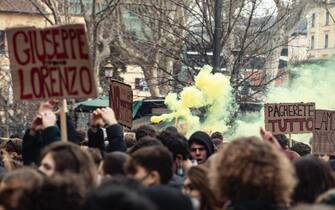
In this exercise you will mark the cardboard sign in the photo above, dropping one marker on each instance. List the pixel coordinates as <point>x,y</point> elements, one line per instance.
<point>121,101</point>
<point>324,132</point>
<point>289,117</point>
<point>51,62</point>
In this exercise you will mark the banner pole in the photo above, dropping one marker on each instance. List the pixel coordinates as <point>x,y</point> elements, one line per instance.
<point>63,126</point>
<point>290,140</point>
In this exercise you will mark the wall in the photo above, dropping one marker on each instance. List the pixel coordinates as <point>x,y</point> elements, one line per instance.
<point>319,31</point>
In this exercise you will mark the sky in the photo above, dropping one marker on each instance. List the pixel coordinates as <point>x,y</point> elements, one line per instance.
<point>266,6</point>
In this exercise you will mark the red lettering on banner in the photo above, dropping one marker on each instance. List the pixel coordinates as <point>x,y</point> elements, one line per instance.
<point>72,38</point>
<point>115,101</point>
<point>53,81</point>
<point>32,47</point>
<point>34,81</point>
<point>40,55</point>
<point>43,80</point>
<point>81,43</point>
<point>55,34</point>
<point>57,41</point>
<point>22,94</point>
<point>56,82</point>
<point>120,97</point>
<point>82,71</point>
<point>50,63</point>
<point>16,54</point>
<point>73,77</point>
<point>288,124</point>
<point>65,36</point>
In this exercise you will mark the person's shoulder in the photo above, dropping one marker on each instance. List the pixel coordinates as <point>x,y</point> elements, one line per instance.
<point>176,182</point>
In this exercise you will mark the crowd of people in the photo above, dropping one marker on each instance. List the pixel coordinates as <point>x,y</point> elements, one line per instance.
<point>107,168</point>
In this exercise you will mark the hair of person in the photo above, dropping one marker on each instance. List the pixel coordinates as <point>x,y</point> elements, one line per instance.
<point>25,177</point>
<point>301,148</point>
<point>153,158</point>
<point>146,141</point>
<point>312,207</point>
<point>81,135</point>
<point>96,155</point>
<point>327,198</point>
<point>66,191</point>
<point>117,197</point>
<point>217,135</point>
<point>199,179</point>
<point>17,188</point>
<point>16,199</point>
<point>171,129</point>
<point>10,163</point>
<point>130,139</point>
<point>314,178</point>
<point>167,198</point>
<point>176,143</point>
<point>145,130</point>
<point>124,181</point>
<point>15,136</point>
<point>251,170</point>
<point>282,140</point>
<point>114,162</point>
<point>69,157</point>
<point>13,145</point>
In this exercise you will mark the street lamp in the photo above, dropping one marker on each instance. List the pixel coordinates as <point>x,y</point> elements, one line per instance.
<point>108,70</point>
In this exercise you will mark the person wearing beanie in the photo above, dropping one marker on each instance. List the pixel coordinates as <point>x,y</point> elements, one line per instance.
<point>201,146</point>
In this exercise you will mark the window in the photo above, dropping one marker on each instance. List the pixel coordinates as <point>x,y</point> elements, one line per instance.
<point>313,20</point>
<point>312,42</point>
<point>327,18</point>
<point>132,13</point>
<point>2,42</point>
<point>137,83</point>
<point>141,84</point>
<point>326,40</point>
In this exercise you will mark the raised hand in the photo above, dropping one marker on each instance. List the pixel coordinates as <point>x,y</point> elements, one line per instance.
<point>268,136</point>
<point>48,119</point>
<point>36,124</point>
<point>47,106</point>
<point>96,120</point>
<point>107,114</point>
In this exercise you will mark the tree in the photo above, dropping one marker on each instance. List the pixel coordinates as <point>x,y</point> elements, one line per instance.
<point>157,43</point>
<point>94,13</point>
<point>14,115</point>
<point>170,30</point>
<point>251,42</point>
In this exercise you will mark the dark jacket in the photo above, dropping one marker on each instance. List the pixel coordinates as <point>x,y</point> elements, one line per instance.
<point>114,138</point>
<point>33,145</point>
<point>253,206</point>
<point>176,182</point>
<point>72,135</point>
<point>167,198</point>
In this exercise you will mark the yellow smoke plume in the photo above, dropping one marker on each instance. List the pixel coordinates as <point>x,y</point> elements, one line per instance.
<point>212,91</point>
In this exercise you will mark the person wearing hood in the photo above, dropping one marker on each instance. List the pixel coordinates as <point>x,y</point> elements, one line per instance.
<point>201,146</point>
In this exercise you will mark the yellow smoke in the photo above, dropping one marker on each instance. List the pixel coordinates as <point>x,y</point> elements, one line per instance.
<point>212,91</point>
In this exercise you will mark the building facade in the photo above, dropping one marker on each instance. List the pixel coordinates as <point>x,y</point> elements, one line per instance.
<point>321,32</point>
